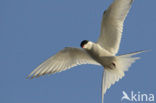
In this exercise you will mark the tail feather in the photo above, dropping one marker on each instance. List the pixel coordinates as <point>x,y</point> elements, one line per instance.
<point>134,53</point>
<point>122,63</point>
<point>126,60</point>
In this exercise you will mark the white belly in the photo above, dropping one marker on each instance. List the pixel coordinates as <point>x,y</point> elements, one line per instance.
<point>101,55</point>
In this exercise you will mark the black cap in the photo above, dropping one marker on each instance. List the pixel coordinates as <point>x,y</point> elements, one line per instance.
<point>84,42</point>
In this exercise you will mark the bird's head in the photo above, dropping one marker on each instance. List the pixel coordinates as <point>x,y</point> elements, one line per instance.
<point>85,44</point>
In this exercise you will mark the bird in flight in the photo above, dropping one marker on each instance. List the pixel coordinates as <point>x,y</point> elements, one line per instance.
<point>101,53</point>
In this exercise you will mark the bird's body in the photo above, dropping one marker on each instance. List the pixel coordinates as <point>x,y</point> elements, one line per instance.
<point>102,53</point>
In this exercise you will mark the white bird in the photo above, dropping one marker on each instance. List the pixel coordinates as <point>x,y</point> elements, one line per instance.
<point>102,53</point>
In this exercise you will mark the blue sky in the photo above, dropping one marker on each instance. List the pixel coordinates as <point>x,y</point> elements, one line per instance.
<point>33,30</point>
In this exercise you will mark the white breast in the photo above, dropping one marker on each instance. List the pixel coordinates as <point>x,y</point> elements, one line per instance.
<point>99,51</point>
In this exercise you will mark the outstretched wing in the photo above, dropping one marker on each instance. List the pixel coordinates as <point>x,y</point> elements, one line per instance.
<point>112,25</point>
<point>65,59</point>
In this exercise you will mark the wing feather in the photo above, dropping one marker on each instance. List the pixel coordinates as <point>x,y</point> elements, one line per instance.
<point>65,59</point>
<point>112,25</point>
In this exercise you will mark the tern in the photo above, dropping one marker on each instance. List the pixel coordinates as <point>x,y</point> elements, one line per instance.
<point>101,53</point>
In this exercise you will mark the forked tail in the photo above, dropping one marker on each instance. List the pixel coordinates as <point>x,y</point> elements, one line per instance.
<point>122,63</point>
<point>126,60</point>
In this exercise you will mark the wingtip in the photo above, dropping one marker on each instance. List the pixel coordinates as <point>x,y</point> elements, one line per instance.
<point>30,77</point>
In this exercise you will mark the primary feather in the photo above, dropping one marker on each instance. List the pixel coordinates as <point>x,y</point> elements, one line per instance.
<point>65,59</point>
<point>112,25</point>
